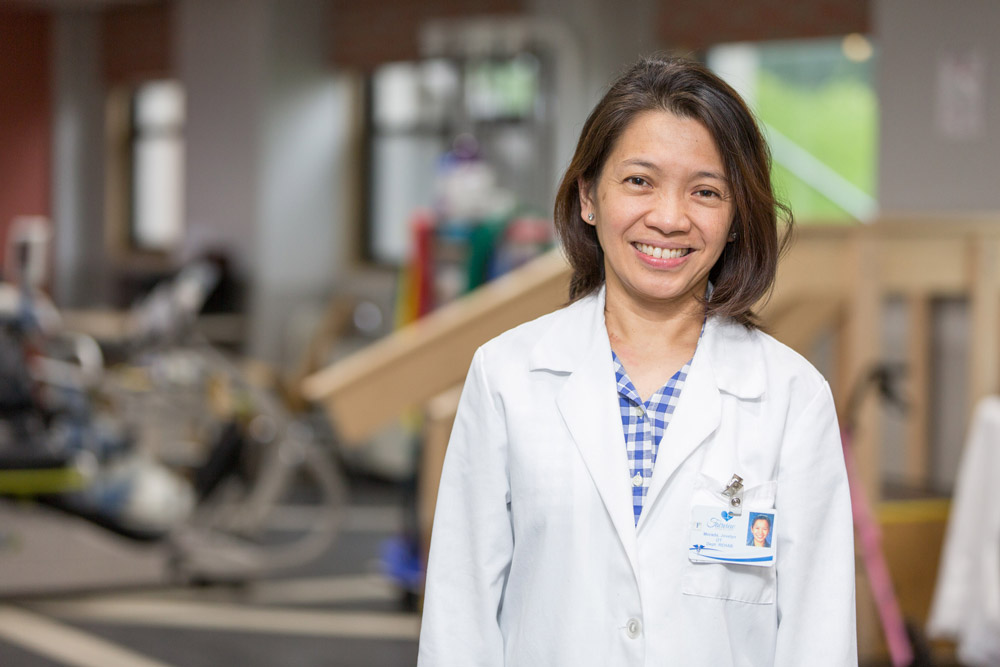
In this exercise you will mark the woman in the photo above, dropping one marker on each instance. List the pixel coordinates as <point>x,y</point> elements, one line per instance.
<point>587,439</point>
<point>760,529</point>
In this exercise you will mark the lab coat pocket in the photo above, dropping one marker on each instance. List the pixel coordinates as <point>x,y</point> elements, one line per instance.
<point>742,583</point>
<point>724,581</point>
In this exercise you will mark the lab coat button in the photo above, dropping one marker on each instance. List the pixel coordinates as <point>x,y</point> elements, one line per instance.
<point>637,480</point>
<point>633,628</point>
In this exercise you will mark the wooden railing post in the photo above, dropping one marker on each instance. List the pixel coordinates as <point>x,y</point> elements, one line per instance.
<point>984,347</point>
<point>439,417</point>
<point>859,352</point>
<point>918,371</point>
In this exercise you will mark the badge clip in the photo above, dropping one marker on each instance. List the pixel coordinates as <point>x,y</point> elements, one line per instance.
<point>734,491</point>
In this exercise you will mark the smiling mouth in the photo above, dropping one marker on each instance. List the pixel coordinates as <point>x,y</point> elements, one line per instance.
<point>660,253</point>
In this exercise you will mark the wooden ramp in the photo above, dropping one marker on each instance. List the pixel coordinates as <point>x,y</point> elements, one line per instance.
<point>370,389</point>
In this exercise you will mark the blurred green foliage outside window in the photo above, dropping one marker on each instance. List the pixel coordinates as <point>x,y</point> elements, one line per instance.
<point>816,100</point>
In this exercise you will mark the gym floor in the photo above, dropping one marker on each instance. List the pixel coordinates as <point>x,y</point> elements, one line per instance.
<point>336,611</point>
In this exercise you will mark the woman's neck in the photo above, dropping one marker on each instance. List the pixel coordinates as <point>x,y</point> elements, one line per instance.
<point>652,343</point>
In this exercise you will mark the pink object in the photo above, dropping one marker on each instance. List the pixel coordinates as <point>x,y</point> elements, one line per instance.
<point>870,538</point>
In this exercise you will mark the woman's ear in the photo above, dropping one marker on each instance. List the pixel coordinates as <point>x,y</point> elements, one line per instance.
<point>586,202</point>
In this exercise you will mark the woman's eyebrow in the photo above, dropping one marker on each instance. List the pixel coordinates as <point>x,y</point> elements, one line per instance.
<point>638,162</point>
<point>712,174</point>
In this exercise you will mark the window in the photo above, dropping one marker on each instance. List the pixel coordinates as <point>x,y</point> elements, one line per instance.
<point>156,201</point>
<point>424,111</point>
<point>817,104</point>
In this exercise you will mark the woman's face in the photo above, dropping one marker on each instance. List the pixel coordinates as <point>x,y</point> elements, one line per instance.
<point>760,529</point>
<point>662,207</point>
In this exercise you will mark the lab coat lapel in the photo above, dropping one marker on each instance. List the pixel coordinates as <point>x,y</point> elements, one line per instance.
<point>695,418</point>
<point>728,360</point>
<point>594,420</point>
<point>588,403</point>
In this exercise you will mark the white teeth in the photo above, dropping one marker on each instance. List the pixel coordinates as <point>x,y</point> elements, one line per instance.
<point>661,253</point>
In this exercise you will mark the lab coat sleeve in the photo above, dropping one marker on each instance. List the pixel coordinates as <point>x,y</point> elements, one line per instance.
<point>472,540</point>
<point>815,555</point>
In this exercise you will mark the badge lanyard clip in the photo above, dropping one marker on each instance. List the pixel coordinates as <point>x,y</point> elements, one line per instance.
<point>734,491</point>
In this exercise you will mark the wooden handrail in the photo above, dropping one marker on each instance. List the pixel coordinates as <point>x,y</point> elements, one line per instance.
<point>836,281</point>
<point>369,389</point>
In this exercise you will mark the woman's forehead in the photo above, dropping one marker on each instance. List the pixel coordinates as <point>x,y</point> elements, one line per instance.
<point>658,139</point>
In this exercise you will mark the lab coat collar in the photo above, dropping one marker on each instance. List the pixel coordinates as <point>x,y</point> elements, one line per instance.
<point>737,358</point>
<point>576,331</point>
<point>735,355</point>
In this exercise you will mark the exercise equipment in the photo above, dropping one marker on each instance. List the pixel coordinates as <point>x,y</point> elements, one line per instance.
<point>168,467</point>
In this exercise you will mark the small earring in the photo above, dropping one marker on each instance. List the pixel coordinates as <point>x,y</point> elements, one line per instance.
<point>732,237</point>
<point>590,217</point>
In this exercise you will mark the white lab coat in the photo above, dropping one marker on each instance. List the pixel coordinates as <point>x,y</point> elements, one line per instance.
<point>966,605</point>
<point>536,561</point>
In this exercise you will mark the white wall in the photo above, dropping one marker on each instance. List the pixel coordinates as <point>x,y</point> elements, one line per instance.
<point>79,265</point>
<point>302,227</point>
<point>220,53</point>
<point>922,166</point>
<point>265,152</point>
<point>603,38</point>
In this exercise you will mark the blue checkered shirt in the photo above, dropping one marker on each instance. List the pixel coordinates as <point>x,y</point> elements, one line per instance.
<point>644,424</point>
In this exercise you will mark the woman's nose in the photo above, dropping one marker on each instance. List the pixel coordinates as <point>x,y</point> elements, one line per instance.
<point>668,214</point>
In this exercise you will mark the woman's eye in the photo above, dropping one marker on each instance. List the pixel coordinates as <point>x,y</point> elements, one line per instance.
<point>636,180</point>
<point>707,193</point>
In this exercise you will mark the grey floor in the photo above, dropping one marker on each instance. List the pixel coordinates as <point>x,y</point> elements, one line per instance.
<point>335,611</point>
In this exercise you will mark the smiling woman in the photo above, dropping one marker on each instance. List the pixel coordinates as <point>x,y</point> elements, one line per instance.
<point>760,529</point>
<point>662,210</point>
<point>591,443</point>
<point>736,165</point>
<point>662,192</point>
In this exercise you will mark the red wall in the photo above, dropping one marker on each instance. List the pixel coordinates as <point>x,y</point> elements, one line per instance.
<point>25,115</point>
<point>367,34</point>
<point>698,25</point>
<point>137,42</point>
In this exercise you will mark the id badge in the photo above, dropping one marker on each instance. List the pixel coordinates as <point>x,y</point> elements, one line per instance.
<point>720,536</point>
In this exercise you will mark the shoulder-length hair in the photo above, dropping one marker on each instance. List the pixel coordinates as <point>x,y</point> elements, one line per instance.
<point>745,271</point>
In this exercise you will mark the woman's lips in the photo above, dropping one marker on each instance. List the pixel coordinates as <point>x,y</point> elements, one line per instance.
<point>660,253</point>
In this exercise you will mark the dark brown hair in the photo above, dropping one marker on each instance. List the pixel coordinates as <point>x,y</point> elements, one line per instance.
<point>745,271</point>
